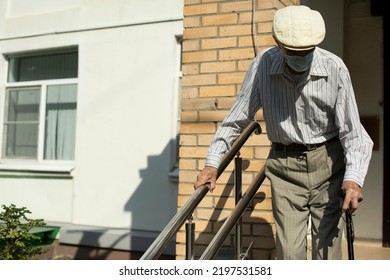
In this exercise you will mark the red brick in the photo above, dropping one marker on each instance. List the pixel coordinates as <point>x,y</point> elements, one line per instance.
<point>201,79</point>
<point>189,57</point>
<point>220,19</point>
<point>200,32</point>
<point>198,104</point>
<point>200,9</point>
<point>194,128</point>
<point>217,67</point>
<point>231,78</point>
<point>235,6</point>
<point>207,91</point>
<point>235,30</point>
<point>219,43</point>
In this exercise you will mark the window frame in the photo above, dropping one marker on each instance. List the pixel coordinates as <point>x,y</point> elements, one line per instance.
<point>39,164</point>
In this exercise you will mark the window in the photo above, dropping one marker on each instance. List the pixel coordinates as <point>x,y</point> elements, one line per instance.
<point>40,107</point>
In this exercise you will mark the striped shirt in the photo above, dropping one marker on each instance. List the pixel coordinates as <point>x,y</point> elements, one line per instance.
<point>309,109</point>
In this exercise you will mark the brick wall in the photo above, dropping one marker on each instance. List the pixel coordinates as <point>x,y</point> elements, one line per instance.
<point>217,51</point>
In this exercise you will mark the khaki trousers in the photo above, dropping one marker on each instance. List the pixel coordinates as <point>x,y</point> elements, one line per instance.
<point>306,186</point>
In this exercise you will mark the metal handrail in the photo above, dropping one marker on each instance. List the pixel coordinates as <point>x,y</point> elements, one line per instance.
<point>163,239</point>
<point>231,221</point>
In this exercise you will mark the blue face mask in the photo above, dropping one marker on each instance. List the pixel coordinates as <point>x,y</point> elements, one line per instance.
<point>299,63</point>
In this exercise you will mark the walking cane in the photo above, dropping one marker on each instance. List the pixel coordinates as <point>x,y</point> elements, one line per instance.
<point>350,234</point>
<point>350,229</point>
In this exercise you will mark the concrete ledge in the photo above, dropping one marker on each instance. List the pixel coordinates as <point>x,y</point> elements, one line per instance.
<point>110,239</point>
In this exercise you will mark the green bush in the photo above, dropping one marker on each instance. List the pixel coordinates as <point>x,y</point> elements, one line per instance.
<point>16,241</point>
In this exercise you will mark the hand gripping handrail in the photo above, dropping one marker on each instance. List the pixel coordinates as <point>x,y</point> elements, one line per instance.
<point>163,239</point>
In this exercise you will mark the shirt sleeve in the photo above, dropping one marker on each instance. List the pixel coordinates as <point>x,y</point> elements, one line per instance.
<point>239,116</point>
<point>355,140</point>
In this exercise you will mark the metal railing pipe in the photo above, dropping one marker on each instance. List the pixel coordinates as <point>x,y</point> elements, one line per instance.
<point>240,141</point>
<point>163,239</point>
<point>230,222</point>
<point>237,197</point>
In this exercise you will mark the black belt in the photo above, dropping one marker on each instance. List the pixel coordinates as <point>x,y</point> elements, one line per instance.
<point>300,147</point>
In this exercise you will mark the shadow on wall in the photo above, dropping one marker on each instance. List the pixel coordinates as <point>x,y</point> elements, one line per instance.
<point>254,229</point>
<point>154,202</point>
<point>152,205</point>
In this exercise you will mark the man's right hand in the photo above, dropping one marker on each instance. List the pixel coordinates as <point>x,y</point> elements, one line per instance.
<point>207,177</point>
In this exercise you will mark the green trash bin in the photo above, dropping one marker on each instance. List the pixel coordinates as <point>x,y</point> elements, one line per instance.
<point>46,234</point>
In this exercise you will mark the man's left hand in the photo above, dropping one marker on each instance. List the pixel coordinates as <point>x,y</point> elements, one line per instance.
<point>352,196</point>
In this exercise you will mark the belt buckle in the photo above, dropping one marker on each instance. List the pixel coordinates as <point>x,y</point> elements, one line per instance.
<point>311,147</point>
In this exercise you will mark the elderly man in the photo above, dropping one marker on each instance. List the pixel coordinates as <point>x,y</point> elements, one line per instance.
<point>319,146</point>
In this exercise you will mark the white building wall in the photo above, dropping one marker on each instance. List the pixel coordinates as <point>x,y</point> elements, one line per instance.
<point>119,188</point>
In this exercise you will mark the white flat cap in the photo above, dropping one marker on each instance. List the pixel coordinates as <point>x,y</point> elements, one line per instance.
<point>298,27</point>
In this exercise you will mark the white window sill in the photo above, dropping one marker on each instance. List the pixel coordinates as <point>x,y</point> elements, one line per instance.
<point>36,169</point>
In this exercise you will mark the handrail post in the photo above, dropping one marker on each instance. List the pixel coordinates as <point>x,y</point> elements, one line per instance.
<point>238,195</point>
<point>216,243</point>
<point>190,239</point>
